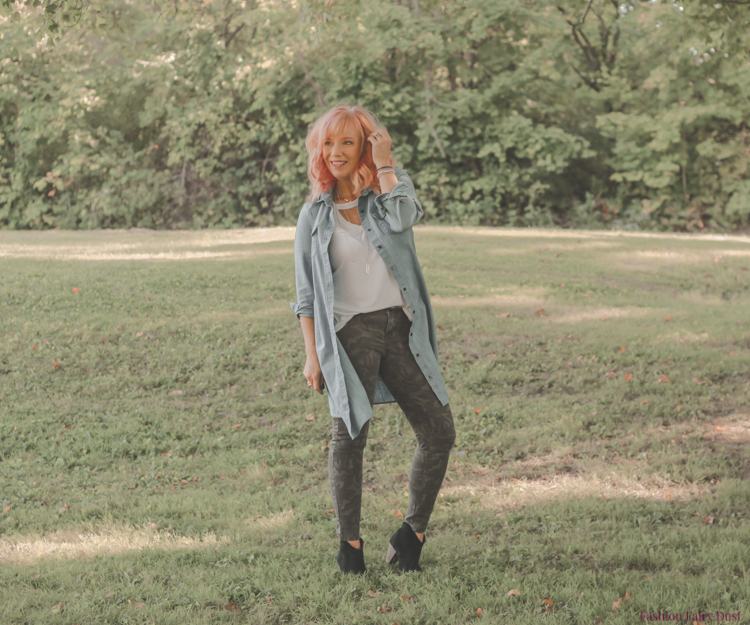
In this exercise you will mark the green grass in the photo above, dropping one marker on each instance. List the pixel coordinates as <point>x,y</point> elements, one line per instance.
<point>157,464</point>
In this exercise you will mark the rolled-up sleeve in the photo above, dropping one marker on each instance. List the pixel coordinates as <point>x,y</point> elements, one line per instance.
<point>400,208</point>
<point>303,307</point>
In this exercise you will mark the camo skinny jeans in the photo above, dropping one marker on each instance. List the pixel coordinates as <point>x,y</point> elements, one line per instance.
<point>378,343</point>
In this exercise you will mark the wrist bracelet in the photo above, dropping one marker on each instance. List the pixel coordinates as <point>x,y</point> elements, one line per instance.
<point>386,171</point>
<point>385,167</point>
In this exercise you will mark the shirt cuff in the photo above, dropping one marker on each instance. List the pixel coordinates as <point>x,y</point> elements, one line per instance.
<point>301,310</point>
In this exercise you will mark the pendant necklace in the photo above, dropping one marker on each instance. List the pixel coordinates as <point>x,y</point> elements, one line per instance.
<point>348,242</point>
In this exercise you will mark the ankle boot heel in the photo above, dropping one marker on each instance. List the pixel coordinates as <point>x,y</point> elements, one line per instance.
<point>405,548</point>
<point>351,560</point>
<point>391,556</point>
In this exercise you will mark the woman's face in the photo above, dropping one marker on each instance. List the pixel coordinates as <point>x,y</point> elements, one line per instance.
<point>341,152</point>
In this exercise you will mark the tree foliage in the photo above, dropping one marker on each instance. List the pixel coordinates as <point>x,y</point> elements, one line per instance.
<point>526,112</point>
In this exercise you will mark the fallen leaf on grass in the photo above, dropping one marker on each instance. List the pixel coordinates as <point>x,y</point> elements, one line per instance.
<point>604,318</point>
<point>8,507</point>
<point>231,607</point>
<point>76,289</point>
<point>480,611</point>
<point>513,593</point>
<point>539,311</point>
<point>268,598</point>
<point>109,594</point>
<point>669,318</point>
<point>405,598</point>
<point>478,410</point>
<point>731,353</point>
<point>623,350</point>
<point>374,594</point>
<point>57,609</point>
<point>709,519</point>
<point>239,425</point>
<point>663,378</point>
<point>645,402</point>
<point>611,374</point>
<point>139,604</point>
<point>720,429</point>
<point>399,514</point>
<point>627,596</point>
<point>616,605</point>
<point>384,608</point>
<point>549,601</point>
<point>628,376</point>
<point>310,417</point>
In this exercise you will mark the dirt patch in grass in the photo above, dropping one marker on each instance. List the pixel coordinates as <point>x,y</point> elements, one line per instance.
<point>87,543</point>
<point>567,314</point>
<point>559,476</point>
<point>731,431</point>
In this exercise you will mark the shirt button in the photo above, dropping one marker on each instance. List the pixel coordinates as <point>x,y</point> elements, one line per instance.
<point>417,355</point>
<point>380,247</point>
<point>411,334</point>
<point>369,230</point>
<point>404,288</point>
<point>393,268</point>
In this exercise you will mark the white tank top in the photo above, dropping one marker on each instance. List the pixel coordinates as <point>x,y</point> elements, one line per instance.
<point>361,280</point>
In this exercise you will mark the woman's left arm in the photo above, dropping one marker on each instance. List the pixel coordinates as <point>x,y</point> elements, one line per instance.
<point>397,202</point>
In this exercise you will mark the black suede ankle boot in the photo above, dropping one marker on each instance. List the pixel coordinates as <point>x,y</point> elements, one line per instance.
<point>352,560</point>
<point>405,548</point>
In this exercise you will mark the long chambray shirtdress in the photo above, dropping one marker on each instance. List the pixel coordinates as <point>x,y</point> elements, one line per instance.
<point>387,220</point>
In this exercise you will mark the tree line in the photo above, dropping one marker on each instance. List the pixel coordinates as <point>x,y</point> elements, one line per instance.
<point>193,113</point>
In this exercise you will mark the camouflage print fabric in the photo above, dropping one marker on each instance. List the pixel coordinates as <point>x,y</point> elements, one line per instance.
<point>378,343</point>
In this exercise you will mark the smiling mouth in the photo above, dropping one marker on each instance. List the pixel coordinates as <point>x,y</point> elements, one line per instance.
<point>338,163</point>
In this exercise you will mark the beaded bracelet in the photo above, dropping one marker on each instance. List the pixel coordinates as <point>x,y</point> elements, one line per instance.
<point>390,170</point>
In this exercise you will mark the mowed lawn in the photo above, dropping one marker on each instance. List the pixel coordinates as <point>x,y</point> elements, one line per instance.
<point>162,460</point>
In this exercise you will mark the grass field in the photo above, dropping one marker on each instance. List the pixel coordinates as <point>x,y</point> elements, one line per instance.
<point>162,460</point>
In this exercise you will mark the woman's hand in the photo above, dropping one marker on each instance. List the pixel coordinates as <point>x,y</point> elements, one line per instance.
<point>380,141</point>
<point>313,374</point>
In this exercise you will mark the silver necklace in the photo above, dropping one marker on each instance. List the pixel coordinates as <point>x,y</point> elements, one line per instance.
<point>348,236</point>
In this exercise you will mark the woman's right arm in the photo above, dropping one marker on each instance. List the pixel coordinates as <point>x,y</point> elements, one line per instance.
<point>304,306</point>
<point>312,371</point>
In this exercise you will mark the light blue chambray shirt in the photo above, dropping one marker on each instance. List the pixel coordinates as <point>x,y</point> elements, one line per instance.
<point>387,220</point>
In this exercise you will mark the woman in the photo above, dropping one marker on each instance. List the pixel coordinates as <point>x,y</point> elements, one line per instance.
<point>367,321</point>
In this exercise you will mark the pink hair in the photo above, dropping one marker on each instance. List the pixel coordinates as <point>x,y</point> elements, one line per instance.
<point>331,122</point>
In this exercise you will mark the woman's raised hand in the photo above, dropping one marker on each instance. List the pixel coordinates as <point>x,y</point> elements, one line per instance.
<point>380,141</point>
<point>313,374</point>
